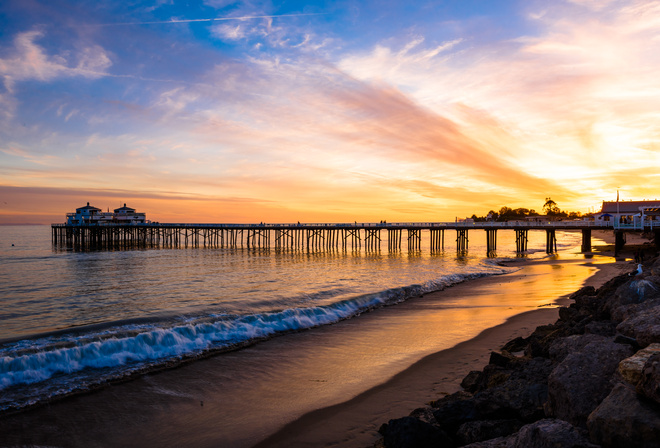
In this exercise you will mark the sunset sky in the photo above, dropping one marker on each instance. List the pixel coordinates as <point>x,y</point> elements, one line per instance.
<point>326,111</point>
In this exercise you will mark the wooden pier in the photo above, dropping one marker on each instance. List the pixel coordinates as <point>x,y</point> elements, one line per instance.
<point>314,237</point>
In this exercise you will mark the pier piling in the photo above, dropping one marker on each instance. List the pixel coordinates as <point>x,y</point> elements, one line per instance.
<point>491,241</point>
<point>461,240</point>
<point>550,241</point>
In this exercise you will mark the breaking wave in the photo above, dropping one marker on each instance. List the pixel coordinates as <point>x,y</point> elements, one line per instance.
<point>33,370</point>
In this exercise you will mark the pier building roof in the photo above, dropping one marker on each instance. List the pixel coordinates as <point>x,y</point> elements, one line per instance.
<point>631,207</point>
<point>124,209</point>
<point>88,208</point>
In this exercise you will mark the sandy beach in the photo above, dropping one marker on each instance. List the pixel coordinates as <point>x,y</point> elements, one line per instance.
<point>329,386</point>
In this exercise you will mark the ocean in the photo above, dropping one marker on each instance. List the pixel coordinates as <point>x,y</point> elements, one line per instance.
<point>73,320</point>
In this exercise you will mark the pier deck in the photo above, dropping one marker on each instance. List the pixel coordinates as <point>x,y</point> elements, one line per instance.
<point>321,236</point>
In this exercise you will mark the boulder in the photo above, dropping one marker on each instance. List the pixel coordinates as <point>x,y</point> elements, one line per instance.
<point>409,432</point>
<point>600,327</point>
<point>643,326</point>
<point>550,433</point>
<point>499,442</point>
<point>631,368</point>
<point>472,381</point>
<point>583,379</point>
<point>515,345</point>
<point>649,384</point>
<point>478,431</point>
<point>546,433</point>
<point>567,313</point>
<point>562,347</point>
<point>453,410</point>
<point>585,291</point>
<point>636,291</point>
<point>623,419</point>
<point>521,396</point>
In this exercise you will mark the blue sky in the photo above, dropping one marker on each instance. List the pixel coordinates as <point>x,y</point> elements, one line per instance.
<point>224,111</point>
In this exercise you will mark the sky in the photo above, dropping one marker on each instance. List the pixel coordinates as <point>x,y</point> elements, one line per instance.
<point>326,111</point>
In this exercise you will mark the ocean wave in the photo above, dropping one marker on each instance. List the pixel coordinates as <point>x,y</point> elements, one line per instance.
<point>89,358</point>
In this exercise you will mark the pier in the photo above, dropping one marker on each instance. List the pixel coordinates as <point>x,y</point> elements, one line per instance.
<point>318,237</point>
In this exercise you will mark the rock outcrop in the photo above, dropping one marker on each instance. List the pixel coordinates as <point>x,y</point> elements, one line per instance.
<point>590,380</point>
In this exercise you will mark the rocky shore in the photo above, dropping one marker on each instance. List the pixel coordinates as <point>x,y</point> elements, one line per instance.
<point>592,379</point>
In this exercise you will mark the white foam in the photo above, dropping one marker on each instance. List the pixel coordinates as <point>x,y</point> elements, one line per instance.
<point>145,344</point>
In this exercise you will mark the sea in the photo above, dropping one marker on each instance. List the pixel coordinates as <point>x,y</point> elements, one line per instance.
<point>71,320</point>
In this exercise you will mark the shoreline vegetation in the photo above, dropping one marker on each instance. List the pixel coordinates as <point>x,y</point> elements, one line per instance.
<point>550,208</point>
<point>591,379</point>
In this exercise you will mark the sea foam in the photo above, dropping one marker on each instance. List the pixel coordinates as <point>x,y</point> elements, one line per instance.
<point>130,348</point>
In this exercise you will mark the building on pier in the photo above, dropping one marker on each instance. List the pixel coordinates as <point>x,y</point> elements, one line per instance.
<point>89,214</point>
<point>128,215</point>
<point>636,213</point>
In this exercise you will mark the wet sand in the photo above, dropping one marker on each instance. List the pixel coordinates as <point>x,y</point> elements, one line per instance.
<point>329,386</point>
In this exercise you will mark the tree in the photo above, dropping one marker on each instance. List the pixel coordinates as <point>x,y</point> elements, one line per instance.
<point>550,207</point>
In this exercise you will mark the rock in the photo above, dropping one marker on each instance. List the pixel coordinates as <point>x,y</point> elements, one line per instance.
<point>562,347</point>
<point>537,342</point>
<point>630,368</point>
<point>546,433</point>
<point>623,312</point>
<point>602,328</point>
<point>649,384</point>
<point>500,442</point>
<point>550,433</point>
<point>472,381</point>
<point>621,339</point>
<point>504,359</point>
<point>636,291</point>
<point>515,345</point>
<point>409,432</point>
<point>478,431</point>
<point>453,410</point>
<point>521,396</point>
<point>589,291</point>
<point>623,420</point>
<point>567,313</point>
<point>644,326</point>
<point>424,414</point>
<point>583,379</point>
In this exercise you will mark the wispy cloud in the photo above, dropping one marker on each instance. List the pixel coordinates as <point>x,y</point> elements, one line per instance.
<point>581,96</point>
<point>28,61</point>
<point>208,20</point>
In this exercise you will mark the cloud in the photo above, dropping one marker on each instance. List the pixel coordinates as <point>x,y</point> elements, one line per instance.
<point>229,32</point>
<point>28,61</point>
<point>296,122</point>
<point>577,98</point>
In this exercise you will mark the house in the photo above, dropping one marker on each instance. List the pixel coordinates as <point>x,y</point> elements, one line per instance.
<point>128,215</point>
<point>86,215</point>
<point>632,213</point>
<point>93,215</point>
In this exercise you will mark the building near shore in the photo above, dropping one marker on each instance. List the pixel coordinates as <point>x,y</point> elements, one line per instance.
<point>633,213</point>
<point>89,214</point>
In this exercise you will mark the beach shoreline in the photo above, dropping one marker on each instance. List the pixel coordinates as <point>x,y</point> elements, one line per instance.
<point>171,408</point>
<point>438,374</point>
